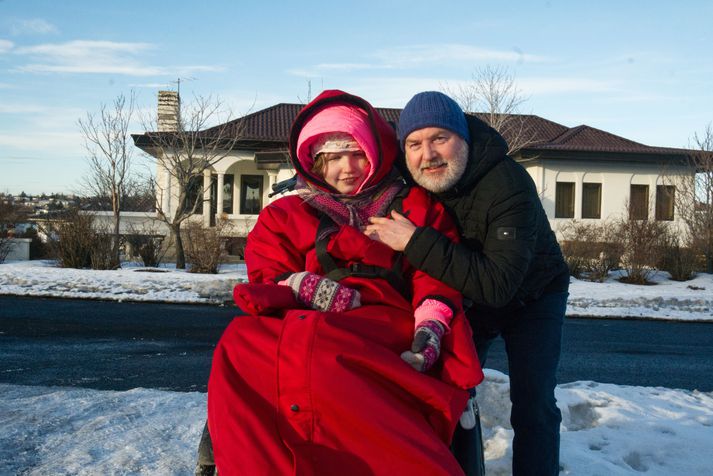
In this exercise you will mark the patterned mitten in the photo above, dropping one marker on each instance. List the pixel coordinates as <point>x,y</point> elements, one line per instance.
<point>426,346</point>
<point>432,318</point>
<point>322,294</point>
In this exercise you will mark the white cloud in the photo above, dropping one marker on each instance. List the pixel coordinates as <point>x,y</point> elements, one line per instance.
<point>392,91</point>
<point>37,126</point>
<point>36,26</point>
<point>5,46</point>
<point>83,56</point>
<point>87,57</point>
<point>10,108</point>
<point>417,55</point>
<point>165,85</point>
<point>395,91</point>
<point>561,85</point>
<point>333,68</point>
<point>69,143</point>
<point>302,73</point>
<point>346,67</point>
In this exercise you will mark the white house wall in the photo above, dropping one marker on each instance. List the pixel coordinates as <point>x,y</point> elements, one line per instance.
<point>616,179</point>
<point>146,223</point>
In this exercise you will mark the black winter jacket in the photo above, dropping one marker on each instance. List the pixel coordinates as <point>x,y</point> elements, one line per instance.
<point>508,255</point>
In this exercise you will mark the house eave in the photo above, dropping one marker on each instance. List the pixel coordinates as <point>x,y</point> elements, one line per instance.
<point>272,159</point>
<point>533,154</point>
<point>151,146</point>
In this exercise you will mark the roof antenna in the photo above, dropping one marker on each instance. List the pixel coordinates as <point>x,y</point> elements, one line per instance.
<point>178,83</point>
<point>309,93</point>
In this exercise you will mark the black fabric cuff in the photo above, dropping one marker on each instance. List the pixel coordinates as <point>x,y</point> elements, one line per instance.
<point>420,245</point>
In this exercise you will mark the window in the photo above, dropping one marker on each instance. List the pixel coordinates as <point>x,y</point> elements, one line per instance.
<point>250,194</point>
<point>228,194</point>
<point>664,202</point>
<point>564,200</point>
<point>591,200</point>
<point>639,202</point>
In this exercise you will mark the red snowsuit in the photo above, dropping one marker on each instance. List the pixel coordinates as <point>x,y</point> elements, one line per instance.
<point>295,391</point>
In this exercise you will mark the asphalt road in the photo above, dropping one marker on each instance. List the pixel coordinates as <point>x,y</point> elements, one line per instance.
<point>111,345</point>
<point>108,345</point>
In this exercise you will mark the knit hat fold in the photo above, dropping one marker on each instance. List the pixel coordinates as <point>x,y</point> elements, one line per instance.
<point>432,109</point>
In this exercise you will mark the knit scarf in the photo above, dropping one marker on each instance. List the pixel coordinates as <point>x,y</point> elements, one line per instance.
<point>353,210</point>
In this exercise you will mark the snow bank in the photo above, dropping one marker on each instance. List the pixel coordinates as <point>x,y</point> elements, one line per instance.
<point>690,300</point>
<point>606,429</point>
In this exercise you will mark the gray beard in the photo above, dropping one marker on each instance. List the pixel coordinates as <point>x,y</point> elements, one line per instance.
<point>454,171</point>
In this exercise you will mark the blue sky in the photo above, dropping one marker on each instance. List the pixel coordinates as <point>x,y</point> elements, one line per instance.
<point>639,69</point>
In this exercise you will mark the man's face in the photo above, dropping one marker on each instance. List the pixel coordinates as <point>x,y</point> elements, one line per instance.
<point>436,158</point>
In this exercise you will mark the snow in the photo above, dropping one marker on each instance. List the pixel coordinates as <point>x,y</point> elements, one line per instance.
<point>606,429</point>
<point>688,300</point>
<point>667,299</point>
<point>131,283</point>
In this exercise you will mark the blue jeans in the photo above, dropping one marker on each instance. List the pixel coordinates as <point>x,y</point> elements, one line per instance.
<point>533,337</point>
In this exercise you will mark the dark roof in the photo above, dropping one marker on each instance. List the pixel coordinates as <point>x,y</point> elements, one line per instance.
<point>274,122</point>
<point>585,138</point>
<point>537,129</point>
<point>269,129</point>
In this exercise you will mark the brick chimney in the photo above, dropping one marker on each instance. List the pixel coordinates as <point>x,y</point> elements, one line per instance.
<point>169,108</point>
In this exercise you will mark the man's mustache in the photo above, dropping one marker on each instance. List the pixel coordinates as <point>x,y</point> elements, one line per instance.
<point>433,164</point>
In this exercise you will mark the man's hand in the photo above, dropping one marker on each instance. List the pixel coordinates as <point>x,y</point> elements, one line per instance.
<point>395,232</point>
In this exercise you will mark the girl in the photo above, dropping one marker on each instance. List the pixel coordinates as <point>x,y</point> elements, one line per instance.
<point>349,361</point>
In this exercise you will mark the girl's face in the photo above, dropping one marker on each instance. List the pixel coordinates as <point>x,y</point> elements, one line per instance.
<point>345,171</point>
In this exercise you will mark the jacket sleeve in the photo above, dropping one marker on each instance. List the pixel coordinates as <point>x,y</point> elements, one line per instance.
<point>273,251</point>
<point>490,273</point>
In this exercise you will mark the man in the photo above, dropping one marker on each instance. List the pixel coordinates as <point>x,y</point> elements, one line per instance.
<point>508,263</point>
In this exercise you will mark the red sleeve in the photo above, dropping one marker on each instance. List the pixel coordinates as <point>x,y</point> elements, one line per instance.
<point>459,359</point>
<point>275,246</point>
<point>424,210</point>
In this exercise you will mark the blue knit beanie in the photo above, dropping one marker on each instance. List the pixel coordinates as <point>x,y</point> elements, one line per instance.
<point>432,109</point>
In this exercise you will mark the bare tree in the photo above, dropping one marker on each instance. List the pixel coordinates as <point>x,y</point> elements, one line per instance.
<point>695,199</point>
<point>107,142</point>
<point>640,241</point>
<point>205,247</point>
<point>191,146</point>
<point>8,216</point>
<point>494,97</point>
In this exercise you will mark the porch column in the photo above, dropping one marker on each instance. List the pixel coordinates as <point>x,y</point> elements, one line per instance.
<point>165,203</point>
<point>578,188</point>
<point>220,198</point>
<point>166,199</point>
<point>206,198</point>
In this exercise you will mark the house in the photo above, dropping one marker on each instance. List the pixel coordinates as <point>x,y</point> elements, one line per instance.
<point>581,173</point>
<point>585,173</point>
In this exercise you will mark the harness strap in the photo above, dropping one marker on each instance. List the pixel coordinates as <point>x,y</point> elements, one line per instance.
<point>332,271</point>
